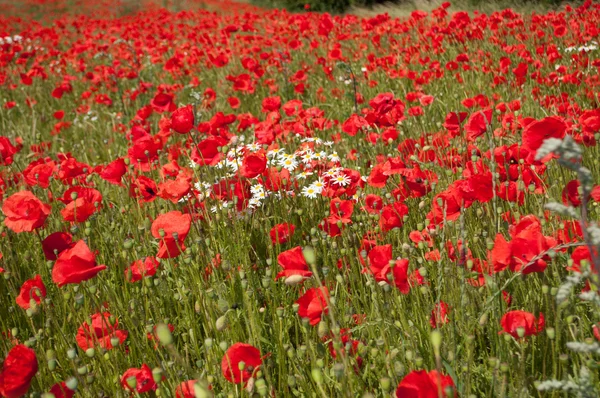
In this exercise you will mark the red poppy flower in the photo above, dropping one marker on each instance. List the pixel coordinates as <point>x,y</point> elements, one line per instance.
<point>60,390</point>
<point>340,210</point>
<point>381,266</point>
<point>32,289</point>
<point>392,216</point>
<point>114,172</point>
<point>237,353</point>
<point>253,164</point>
<point>313,304</point>
<point>478,123</point>
<point>176,189</point>
<point>163,103</point>
<point>87,202</point>
<point>570,194</point>
<point>18,369</point>
<point>373,204</point>
<point>56,243</point>
<point>439,315</point>
<point>143,188</point>
<point>172,229</point>
<point>24,212</point>
<point>75,265</point>
<point>144,381</point>
<point>182,120</point>
<point>140,269</point>
<point>185,389</point>
<point>423,384</point>
<point>293,263</point>
<point>100,332</point>
<point>512,321</point>
<point>7,150</point>
<point>282,233</point>
<point>538,131</point>
<point>207,151</point>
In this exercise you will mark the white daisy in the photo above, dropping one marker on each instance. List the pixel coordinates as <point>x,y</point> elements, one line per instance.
<point>310,192</point>
<point>341,180</point>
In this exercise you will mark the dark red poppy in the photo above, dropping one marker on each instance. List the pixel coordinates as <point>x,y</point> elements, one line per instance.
<point>144,380</point>
<point>512,321</point>
<point>18,369</point>
<point>237,354</point>
<point>282,233</point>
<point>182,120</point>
<point>75,265</point>
<point>32,289</point>
<point>423,384</point>
<point>293,263</point>
<point>163,102</point>
<point>313,304</point>
<point>24,212</point>
<point>60,390</point>
<point>373,204</point>
<point>56,243</point>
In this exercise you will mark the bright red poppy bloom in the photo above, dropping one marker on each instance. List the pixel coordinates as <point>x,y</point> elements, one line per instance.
<point>75,265</point>
<point>182,120</point>
<point>282,233</point>
<point>32,289</point>
<point>18,369</point>
<point>253,164</point>
<point>313,304</point>
<point>140,269</point>
<point>512,321</point>
<point>144,381</point>
<point>114,172</point>
<point>439,315</point>
<point>423,384</point>
<point>185,389</point>
<point>24,212</point>
<point>100,332</point>
<point>237,353</point>
<point>293,263</point>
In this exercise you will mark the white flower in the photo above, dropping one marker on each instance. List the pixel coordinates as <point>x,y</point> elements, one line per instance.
<point>334,157</point>
<point>253,147</point>
<point>309,192</point>
<point>307,157</point>
<point>254,189</point>
<point>303,175</point>
<point>331,173</point>
<point>328,143</point>
<point>341,180</point>
<point>289,164</point>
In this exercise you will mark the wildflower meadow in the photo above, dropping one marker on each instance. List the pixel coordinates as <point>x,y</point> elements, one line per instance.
<point>206,198</point>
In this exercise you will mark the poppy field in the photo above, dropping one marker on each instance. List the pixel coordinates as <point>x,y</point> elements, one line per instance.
<point>216,199</point>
